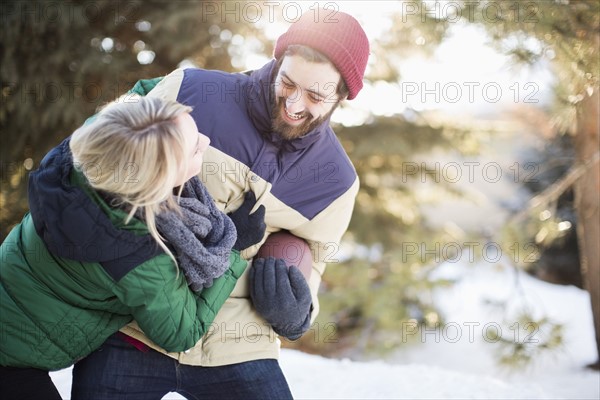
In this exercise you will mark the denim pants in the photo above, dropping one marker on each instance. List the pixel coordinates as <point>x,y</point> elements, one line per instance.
<point>118,370</point>
<point>27,384</point>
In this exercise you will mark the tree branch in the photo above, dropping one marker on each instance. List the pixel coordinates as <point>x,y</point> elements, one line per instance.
<point>553,192</point>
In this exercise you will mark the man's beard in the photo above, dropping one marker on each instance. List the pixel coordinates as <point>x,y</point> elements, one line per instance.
<point>291,132</point>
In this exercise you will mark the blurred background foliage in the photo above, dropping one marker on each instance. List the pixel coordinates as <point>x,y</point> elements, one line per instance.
<point>62,60</point>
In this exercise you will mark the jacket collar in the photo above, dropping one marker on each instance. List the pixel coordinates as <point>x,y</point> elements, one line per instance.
<point>72,223</point>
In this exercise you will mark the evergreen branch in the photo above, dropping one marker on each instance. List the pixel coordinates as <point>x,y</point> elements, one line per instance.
<point>553,192</point>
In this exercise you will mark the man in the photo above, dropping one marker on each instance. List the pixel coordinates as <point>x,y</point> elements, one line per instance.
<point>270,134</point>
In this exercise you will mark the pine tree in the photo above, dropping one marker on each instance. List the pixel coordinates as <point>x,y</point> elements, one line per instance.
<point>62,60</point>
<point>568,32</point>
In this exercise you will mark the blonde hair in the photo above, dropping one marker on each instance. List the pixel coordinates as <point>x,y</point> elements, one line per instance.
<point>135,152</point>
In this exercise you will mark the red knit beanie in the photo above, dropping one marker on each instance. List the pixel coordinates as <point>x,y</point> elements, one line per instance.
<point>338,36</point>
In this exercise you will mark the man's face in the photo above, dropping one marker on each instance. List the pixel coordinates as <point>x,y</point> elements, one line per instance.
<point>305,96</point>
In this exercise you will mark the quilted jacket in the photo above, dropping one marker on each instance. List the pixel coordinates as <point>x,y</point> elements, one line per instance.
<point>72,273</point>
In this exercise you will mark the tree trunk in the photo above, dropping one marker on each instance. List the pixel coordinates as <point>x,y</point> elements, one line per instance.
<point>587,201</point>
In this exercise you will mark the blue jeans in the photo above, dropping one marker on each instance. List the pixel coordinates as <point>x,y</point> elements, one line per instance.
<point>118,370</point>
<point>27,384</point>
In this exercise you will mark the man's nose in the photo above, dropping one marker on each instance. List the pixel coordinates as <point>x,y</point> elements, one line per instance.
<point>295,102</point>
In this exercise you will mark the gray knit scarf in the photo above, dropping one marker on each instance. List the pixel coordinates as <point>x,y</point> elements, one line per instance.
<point>202,239</point>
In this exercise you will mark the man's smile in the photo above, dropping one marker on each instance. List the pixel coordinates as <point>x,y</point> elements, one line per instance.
<point>294,117</point>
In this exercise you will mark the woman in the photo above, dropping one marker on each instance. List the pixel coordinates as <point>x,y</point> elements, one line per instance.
<point>120,228</point>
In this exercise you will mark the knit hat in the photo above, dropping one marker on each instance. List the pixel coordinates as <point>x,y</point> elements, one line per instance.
<point>338,36</point>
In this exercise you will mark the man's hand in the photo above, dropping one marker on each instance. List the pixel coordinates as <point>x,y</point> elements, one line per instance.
<point>250,227</point>
<point>281,295</point>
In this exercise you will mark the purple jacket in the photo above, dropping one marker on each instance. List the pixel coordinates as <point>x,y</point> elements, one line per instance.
<point>234,110</point>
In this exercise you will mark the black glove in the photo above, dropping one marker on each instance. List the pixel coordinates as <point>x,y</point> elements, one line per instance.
<point>281,295</point>
<point>250,227</point>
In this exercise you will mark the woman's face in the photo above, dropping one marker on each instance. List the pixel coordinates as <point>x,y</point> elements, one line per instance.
<point>196,145</point>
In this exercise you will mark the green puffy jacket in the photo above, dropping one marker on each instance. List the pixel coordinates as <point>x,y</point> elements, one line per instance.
<point>72,274</point>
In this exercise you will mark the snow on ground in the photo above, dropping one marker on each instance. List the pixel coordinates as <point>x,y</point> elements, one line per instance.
<point>311,378</point>
<point>491,296</point>
<point>458,362</point>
